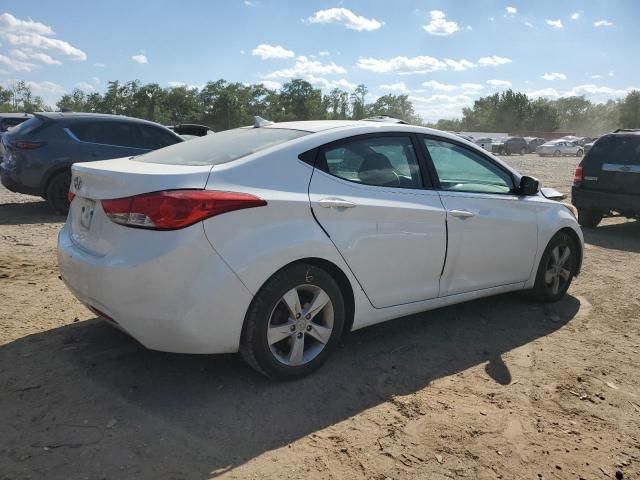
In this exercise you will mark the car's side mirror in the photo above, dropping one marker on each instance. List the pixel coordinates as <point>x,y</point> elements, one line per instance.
<point>528,186</point>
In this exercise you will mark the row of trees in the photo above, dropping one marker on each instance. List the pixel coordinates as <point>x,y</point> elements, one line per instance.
<point>511,111</point>
<point>223,105</point>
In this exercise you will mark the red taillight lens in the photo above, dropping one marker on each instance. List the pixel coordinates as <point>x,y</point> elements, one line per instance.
<point>577,176</point>
<point>173,209</point>
<point>28,145</point>
<point>70,196</point>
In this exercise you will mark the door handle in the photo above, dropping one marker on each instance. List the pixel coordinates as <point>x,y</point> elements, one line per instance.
<point>335,203</point>
<point>461,213</point>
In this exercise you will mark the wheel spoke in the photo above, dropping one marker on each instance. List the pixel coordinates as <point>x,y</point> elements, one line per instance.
<point>548,276</point>
<point>320,333</point>
<point>292,300</point>
<point>279,332</point>
<point>564,273</point>
<point>555,253</point>
<point>556,285</point>
<point>566,253</point>
<point>297,350</point>
<point>318,303</point>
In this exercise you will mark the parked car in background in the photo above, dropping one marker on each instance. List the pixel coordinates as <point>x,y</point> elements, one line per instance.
<point>189,131</point>
<point>510,146</point>
<point>485,143</point>
<point>38,153</point>
<point>560,148</point>
<point>607,181</point>
<point>271,240</point>
<point>9,120</point>
<point>588,146</point>
<point>533,143</point>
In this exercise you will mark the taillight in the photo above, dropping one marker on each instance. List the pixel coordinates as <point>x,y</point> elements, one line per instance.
<point>173,209</point>
<point>70,196</point>
<point>577,176</point>
<point>28,145</point>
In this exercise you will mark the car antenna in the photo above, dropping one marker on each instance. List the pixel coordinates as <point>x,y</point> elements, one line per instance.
<point>260,122</point>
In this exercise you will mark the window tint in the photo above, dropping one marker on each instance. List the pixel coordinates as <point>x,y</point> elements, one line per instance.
<point>116,133</point>
<point>153,137</point>
<point>223,147</point>
<point>381,161</point>
<point>27,127</point>
<point>7,123</point>
<point>463,170</point>
<point>619,149</point>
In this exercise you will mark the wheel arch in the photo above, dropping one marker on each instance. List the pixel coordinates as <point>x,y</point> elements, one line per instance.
<point>52,172</point>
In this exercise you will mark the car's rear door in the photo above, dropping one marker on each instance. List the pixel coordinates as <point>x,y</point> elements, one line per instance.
<point>102,140</point>
<point>613,165</point>
<point>372,198</point>
<point>492,232</point>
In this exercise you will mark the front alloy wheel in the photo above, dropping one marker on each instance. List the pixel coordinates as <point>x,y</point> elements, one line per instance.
<point>294,322</point>
<point>557,268</point>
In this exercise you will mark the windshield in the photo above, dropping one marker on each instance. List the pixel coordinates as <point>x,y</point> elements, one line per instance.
<point>221,147</point>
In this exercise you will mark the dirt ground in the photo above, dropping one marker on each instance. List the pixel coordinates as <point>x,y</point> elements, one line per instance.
<point>497,388</point>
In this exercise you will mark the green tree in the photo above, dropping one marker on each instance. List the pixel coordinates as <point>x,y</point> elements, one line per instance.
<point>629,116</point>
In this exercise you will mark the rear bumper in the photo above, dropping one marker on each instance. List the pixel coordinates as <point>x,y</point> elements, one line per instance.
<point>605,201</point>
<point>10,183</point>
<point>178,298</point>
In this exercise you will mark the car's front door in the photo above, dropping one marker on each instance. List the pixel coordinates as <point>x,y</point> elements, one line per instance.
<point>368,193</point>
<point>492,232</point>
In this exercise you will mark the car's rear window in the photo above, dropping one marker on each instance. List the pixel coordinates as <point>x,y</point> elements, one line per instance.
<point>222,147</point>
<point>25,128</point>
<point>621,149</point>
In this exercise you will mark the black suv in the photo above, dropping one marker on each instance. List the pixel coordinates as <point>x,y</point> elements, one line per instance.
<point>510,146</point>
<point>37,155</point>
<point>607,181</point>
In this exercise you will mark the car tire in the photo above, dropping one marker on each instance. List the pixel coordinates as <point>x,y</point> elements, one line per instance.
<point>523,151</point>
<point>285,339</point>
<point>57,192</point>
<point>556,153</point>
<point>579,153</point>
<point>589,218</point>
<point>556,268</point>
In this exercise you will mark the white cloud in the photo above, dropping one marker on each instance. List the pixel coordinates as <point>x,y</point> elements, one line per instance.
<point>30,55</point>
<point>545,92</point>
<point>305,67</point>
<point>511,10</point>
<point>99,65</point>
<point>174,84</point>
<point>611,73</point>
<point>575,16</point>
<point>242,52</point>
<point>439,25</point>
<point>29,34</point>
<point>439,86</point>
<point>499,83</point>
<point>440,106</point>
<point>493,61</point>
<point>596,76</point>
<point>140,58</point>
<point>554,76</point>
<point>529,24</point>
<point>395,87</point>
<point>603,23</point>
<point>265,51</point>
<point>420,64</point>
<point>271,84</point>
<point>249,3</point>
<point>85,86</point>
<point>591,89</point>
<point>459,65</point>
<point>45,88</point>
<point>323,53</point>
<point>15,64</point>
<point>347,18</point>
<point>329,84</point>
<point>471,88</point>
<point>554,23</point>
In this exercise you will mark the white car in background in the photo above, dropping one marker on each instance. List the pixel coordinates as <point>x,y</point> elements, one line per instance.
<point>485,143</point>
<point>275,241</point>
<point>560,148</point>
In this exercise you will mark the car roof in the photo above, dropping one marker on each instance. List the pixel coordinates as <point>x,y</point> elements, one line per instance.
<point>88,116</point>
<point>315,126</point>
<point>15,115</point>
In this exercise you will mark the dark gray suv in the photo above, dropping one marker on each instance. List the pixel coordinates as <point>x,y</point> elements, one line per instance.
<point>37,155</point>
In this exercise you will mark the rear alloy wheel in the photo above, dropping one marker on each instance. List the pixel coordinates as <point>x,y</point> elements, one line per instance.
<point>556,153</point>
<point>579,153</point>
<point>58,191</point>
<point>556,268</point>
<point>588,217</point>
<point>294,323</point>
<point>523,151</point>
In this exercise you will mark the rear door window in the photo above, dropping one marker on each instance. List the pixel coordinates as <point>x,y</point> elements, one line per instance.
<point>121,134</point>
<point>153,138</point>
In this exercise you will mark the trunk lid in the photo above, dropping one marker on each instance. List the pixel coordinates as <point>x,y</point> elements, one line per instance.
<point>91,182</point>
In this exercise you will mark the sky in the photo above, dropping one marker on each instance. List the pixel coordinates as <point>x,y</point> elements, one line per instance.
<point>443,54</point>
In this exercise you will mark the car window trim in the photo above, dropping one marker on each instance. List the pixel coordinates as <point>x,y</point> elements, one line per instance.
<point>321,161</point>
<point>434,173</point>
<point>73,137</point>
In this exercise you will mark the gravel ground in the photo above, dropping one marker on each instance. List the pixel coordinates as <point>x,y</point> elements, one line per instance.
<point>497,388</point>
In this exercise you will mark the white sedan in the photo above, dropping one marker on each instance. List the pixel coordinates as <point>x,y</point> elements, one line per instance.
<point>275,241</point>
